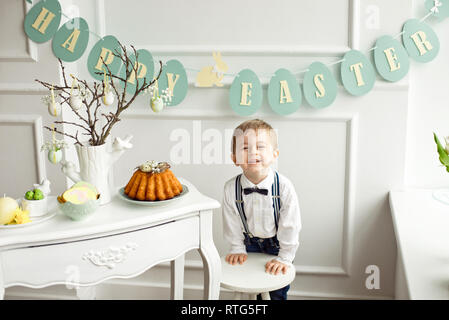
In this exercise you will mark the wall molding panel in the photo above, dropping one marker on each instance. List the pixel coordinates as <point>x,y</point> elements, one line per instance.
<point>36,122</point>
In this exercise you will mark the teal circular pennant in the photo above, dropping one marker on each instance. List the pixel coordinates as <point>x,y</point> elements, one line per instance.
<point>70,41</point>
<point>440,8</point>
<point>42,21</point>
<point>145,71</point>
<point>105,49</point>
<point>174,78</point>
<point>284,93</point>
<point>391,59</point>
<point>420,41</point>
<point>357,73</point>
<point>320,86</point>
<point>245,95</point>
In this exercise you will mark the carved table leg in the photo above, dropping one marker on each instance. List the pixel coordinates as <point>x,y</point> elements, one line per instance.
<point>177,278</point>
<point>86,293</point>
<point>211,259</point>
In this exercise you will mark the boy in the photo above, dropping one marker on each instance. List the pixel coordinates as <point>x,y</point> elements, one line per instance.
<point>254,220</point>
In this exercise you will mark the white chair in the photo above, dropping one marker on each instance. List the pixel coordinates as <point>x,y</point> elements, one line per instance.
<point>251,278</point>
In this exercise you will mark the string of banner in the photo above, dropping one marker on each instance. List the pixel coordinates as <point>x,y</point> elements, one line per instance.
<point>319,86</point>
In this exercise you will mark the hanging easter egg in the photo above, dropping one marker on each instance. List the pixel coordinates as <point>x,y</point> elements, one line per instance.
<point>54,156</point>
<point>174,78</point>
<point>320,86</point>
<point>420,41</point>
<point>75,102</point>
<point>145,71</point>
<point>108,98</point>
<point>157,104</point>
<point>71,40</point>
<point>357,73</point>
<point>103,51</point>
<point>439,9</point>
<point>245,95</point>
<point>391,59</point>
<point>54,109</point>
<point>42,21</point>
<point>284,93</point>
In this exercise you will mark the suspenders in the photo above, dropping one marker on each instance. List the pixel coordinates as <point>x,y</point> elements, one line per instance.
<point>276,202</point>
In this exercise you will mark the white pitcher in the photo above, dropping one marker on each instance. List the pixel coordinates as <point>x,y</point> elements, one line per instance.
<point>95,166</point>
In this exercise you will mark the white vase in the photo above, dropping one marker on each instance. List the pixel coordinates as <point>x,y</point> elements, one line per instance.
<point>95,164</point>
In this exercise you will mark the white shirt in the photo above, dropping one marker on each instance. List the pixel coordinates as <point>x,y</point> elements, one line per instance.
<point>259,213</point>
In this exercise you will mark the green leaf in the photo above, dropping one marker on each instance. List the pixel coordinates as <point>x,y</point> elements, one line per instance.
<point>444,157</point>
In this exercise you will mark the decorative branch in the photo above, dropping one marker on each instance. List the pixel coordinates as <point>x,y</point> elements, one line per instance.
<point>90,114</point>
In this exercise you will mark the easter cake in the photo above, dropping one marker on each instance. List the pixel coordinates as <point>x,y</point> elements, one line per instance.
<point>153,181</point>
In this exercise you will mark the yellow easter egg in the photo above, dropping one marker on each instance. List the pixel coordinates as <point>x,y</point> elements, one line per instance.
<point>8,208</point>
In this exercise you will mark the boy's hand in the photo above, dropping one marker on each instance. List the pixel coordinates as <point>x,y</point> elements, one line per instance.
<point>234,258</point>
<point>275,266</point>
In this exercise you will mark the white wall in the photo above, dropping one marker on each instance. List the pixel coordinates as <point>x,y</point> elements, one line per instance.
<point>343,160</point>
<point>428,113</point>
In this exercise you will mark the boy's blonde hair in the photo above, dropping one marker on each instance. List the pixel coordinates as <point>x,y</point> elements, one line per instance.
<point>255,124</point>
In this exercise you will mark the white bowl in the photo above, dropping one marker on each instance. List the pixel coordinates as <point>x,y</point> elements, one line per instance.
<point>36,208</point>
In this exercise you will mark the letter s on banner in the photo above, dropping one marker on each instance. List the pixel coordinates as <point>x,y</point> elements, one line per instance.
<point>320,86</point>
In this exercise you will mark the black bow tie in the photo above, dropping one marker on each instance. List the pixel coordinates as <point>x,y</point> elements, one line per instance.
<point>251,190</point>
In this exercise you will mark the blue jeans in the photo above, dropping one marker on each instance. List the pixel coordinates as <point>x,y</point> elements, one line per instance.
<point>268,246</point>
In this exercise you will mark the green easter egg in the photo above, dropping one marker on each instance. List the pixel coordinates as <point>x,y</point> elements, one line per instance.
<point>391,59</point>
<point>29,195</point>
<point>357,73</point>
<point>420,41</point>
<point>71,40</point>
<point>246,95</point>
<point>284,92</point>
<point>145,70</point>
<point>320,86</point>
<point>42,21</point>
<point>38,194</point>
<point>174,78</point>
<point>104,48</point>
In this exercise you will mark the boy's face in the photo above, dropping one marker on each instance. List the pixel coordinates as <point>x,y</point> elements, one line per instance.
<point>254,151</point>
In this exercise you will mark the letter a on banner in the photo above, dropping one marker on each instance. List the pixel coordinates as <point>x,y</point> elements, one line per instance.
<point>71,40</point>
<point>284,93</point>
<point>245,95</point>
<point>420,41</point>
<point>42,21</point>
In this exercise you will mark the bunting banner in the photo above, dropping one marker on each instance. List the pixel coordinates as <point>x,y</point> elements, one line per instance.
<point>319,88</point>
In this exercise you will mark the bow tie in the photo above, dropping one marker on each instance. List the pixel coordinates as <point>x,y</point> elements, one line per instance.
<point>251,190</point>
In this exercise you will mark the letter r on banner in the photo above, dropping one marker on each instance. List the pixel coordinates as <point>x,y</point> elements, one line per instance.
<point>419,38</point>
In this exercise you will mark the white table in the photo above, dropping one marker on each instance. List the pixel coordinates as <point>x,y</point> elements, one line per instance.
<point>120,240</point>
<point>421,226</point>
